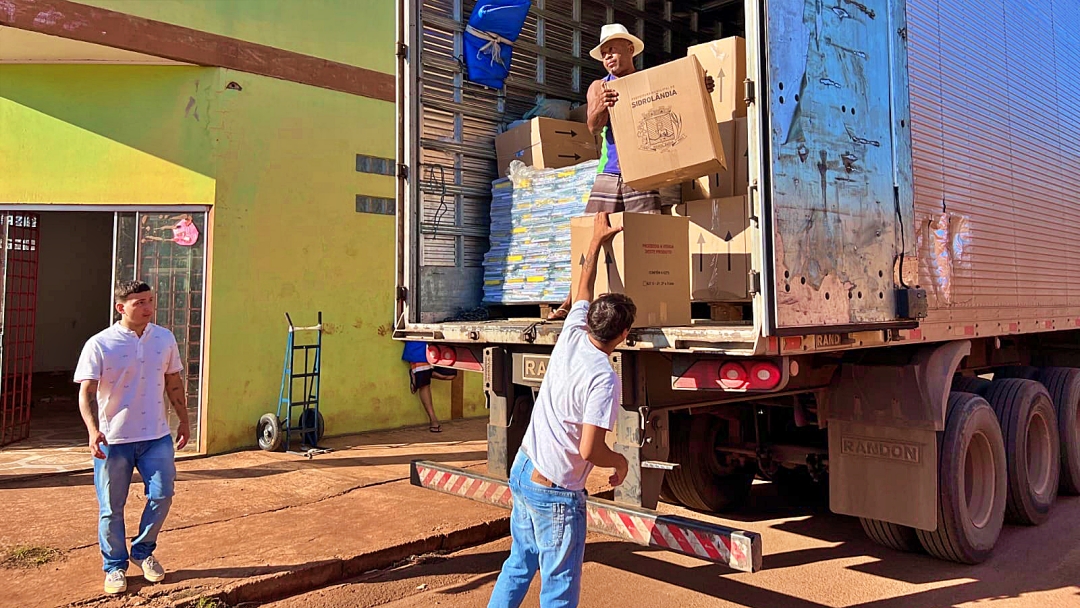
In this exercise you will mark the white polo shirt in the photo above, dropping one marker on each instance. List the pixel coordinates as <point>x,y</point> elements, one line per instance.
<point>130,371</point>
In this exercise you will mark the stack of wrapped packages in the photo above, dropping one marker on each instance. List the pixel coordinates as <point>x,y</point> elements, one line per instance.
<point>529,260</point>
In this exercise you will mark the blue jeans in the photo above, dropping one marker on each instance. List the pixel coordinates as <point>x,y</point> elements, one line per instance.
<point>112,479</point>
<point>548,526</point>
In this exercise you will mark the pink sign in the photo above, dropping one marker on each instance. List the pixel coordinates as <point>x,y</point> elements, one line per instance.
<point>185,233</point>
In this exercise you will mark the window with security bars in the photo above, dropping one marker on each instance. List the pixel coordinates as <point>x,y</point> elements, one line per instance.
<point>168,252</point>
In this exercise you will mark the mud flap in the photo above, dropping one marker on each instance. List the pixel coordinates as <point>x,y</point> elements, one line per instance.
<point>883,473</point>
<point>883,417</point>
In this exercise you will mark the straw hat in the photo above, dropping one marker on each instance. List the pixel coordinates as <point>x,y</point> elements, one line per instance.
<point>616,31</point>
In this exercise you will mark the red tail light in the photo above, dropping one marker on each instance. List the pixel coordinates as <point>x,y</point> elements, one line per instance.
<point>432,354</point>
<point>733,376</point>
<point>764,375</point>
<point>448,356</point>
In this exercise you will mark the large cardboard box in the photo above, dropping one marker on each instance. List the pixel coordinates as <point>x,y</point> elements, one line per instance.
<point>725,61</point>
<point>545,143</point>
<point>646,261</point>
<point>664,124</point>
<point>719,239</point>
<point>733,181</point>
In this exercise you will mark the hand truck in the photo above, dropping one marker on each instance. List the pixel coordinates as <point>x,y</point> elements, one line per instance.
<point>277,429</point>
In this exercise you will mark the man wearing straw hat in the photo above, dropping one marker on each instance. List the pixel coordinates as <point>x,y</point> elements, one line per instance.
<point>617,50</point>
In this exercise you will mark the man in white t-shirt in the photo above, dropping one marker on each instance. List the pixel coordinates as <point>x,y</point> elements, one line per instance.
<point>576,407</point>
<point>124,373</point>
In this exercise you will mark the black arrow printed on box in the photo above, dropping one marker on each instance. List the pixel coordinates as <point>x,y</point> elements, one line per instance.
<point>575,156</point>
<point>727,239</point>
<point>570,133</point>
<point>701,252</point>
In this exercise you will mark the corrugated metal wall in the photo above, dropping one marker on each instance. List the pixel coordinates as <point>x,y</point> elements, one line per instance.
<point>995,93</point>
<point>460,120</point>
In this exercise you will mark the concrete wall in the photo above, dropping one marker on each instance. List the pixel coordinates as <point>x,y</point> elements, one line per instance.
<point>277,161</point>
<point>354,32</point>
<point>74,285</point>
<point>287,237</point>
<point>106,134</point>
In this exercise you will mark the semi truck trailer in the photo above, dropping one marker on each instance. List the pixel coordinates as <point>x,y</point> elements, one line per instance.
<point>911,338</point>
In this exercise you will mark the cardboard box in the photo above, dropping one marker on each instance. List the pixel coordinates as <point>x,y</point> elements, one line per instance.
<point>733,181</point>
<point>646,261</point>
<point>741,162</point>
<point>665,127</point>
<point>719,239</point>
<point>725,61</point>
<point>545,143</point>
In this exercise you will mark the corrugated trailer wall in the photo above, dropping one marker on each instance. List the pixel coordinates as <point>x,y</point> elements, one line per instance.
<point>460,119</point>
<point>995,94</point>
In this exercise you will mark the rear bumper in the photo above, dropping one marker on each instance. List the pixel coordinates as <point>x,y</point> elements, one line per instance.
<point>738,549</point>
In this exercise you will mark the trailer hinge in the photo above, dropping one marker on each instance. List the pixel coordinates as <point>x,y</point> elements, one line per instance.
<point>402,293</point>
<point>403,171</point>
<point>755,282</point>
<point>749,91</point>
<point>402,50</point>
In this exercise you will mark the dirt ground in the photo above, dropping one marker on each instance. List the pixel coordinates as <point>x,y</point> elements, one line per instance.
<point>812,560</point>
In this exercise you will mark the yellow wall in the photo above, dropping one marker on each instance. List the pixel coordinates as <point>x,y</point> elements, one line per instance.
<point>287,238</point>
<point>277,161</point>
<point>106,134</point>
<point>355,32</point>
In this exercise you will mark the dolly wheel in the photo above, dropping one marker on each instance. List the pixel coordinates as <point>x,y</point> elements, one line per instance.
<point>268,433</point>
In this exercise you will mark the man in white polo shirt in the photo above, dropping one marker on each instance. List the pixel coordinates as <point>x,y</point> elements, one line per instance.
<point>124,373</point>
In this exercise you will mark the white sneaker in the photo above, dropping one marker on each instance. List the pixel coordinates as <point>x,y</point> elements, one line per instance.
<point>151,569</point>
<point>115,582</point>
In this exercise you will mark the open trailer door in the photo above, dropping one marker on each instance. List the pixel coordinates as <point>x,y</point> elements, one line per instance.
<point>834,177</point>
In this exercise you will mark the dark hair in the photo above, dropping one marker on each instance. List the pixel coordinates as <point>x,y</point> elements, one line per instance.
<point>610,315</point>
<point>125,289</point>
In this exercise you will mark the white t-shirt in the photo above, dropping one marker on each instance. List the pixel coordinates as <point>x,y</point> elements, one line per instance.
<point>130,371</point>
<point>580,387</point>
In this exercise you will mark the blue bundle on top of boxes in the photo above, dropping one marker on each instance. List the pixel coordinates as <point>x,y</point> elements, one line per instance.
<point>529,259</point>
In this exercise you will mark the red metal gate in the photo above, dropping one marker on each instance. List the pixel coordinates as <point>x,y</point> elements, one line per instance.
<point>18,307</point>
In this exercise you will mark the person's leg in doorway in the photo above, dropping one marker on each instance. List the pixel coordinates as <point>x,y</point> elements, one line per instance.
<point>420,375</point>
<point>156,463</point>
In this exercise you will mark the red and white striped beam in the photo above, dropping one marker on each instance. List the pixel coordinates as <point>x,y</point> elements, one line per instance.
<point>738,549</point>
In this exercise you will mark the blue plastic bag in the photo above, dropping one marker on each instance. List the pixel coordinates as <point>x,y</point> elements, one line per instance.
<point>492,29</point>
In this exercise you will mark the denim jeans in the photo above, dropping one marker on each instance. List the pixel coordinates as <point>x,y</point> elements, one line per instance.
<point>112,479</point>
<point>548,527</point>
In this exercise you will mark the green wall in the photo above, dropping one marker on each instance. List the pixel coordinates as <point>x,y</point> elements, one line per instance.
<point>277,162</point>
<point>287,238</point>
<point>355,32</point>
<point>106,134</point>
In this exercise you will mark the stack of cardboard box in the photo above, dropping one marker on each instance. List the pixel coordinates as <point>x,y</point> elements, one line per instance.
<point>671,131</point>
<point>717,203</point>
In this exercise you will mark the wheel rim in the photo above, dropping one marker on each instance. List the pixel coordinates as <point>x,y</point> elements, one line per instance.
<point>979,486</point>
<point>1038,454</point>
<point>268,433</point>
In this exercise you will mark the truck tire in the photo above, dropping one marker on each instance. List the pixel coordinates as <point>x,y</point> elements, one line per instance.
<point>971,483</point>
<point>1063,384</point>
<point>970,384</point>
<point>1032,452</point>
<point>893,536</point>
<point>701,481</point>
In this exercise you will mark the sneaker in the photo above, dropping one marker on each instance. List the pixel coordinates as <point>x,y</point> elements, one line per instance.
<point>151,569</point>
<point>115,582</point>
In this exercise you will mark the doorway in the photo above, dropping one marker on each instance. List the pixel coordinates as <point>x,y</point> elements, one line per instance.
<point>60,268</point>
